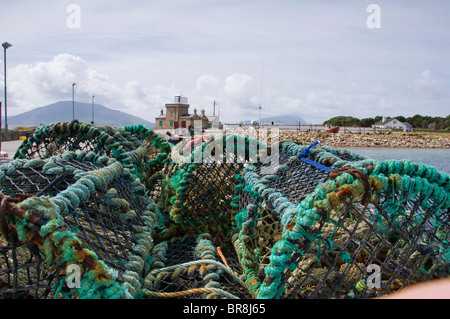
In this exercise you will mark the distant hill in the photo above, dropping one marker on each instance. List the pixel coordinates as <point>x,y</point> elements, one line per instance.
<point>288,119</point>
<point>62,112</point>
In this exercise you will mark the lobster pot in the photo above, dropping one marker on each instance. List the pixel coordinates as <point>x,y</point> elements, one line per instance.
<point>262,195</point>
<point>324,226</point>
<point>324,155</point>
<point>73,226</point>
<point>24,273</point>
<point>192,267</point>
<point>137,148</point>
<point>154,144</point>
<point>198,186</point>
<point>56,138</point>
<point>364,250</point>
<point>149,169</point>
<point>148,160</point>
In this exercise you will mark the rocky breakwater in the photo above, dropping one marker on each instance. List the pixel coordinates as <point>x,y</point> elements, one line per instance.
<point>347,139</point>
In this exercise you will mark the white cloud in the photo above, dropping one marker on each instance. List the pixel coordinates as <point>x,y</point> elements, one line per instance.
<point>237,86</point>
<point>239,98</point>
<point>428,87</point>
<point>47,82</point>
<point>378,88</point>
<point>320,60</point>
<point>206,81</point>
<point>43,83</point>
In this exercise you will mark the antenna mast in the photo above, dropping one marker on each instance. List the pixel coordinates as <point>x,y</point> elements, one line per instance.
<point>260,104</point>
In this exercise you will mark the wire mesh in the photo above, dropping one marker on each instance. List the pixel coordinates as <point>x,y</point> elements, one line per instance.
<point>111,223</point>
<point>145,219</point>
<point>191,266</point>
<point>24,274</point>
<point>197,190</point>
<point>343,250</point>
<point>350,229</point>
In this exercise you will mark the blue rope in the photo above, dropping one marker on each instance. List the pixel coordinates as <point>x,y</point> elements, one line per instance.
<point>304,153</point>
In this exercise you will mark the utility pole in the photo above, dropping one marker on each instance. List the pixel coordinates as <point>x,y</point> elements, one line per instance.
<point>93,96</point>
<point>5,46</point>
<point>261,101</point>
<point>73,101</point>
<point>0,127</point>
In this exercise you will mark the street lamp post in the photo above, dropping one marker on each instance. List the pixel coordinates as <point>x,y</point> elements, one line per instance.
<point>73,101</point>
<point>93,96</point>
<point>0,127</point>
<point>5,46</point>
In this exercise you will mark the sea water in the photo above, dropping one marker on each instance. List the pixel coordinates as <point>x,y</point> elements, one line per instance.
<point>439,158</point>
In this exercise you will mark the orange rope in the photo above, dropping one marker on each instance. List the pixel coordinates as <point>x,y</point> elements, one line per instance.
<point>219,251</point>
<point>184,293</point>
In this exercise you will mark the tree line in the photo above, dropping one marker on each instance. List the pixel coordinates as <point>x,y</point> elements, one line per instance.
<point>417,121</point>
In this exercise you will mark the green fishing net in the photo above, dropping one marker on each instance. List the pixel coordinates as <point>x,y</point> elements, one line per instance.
<point>100,212</point>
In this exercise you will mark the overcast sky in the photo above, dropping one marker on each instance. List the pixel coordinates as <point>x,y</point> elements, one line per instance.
<point>314,59</point>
